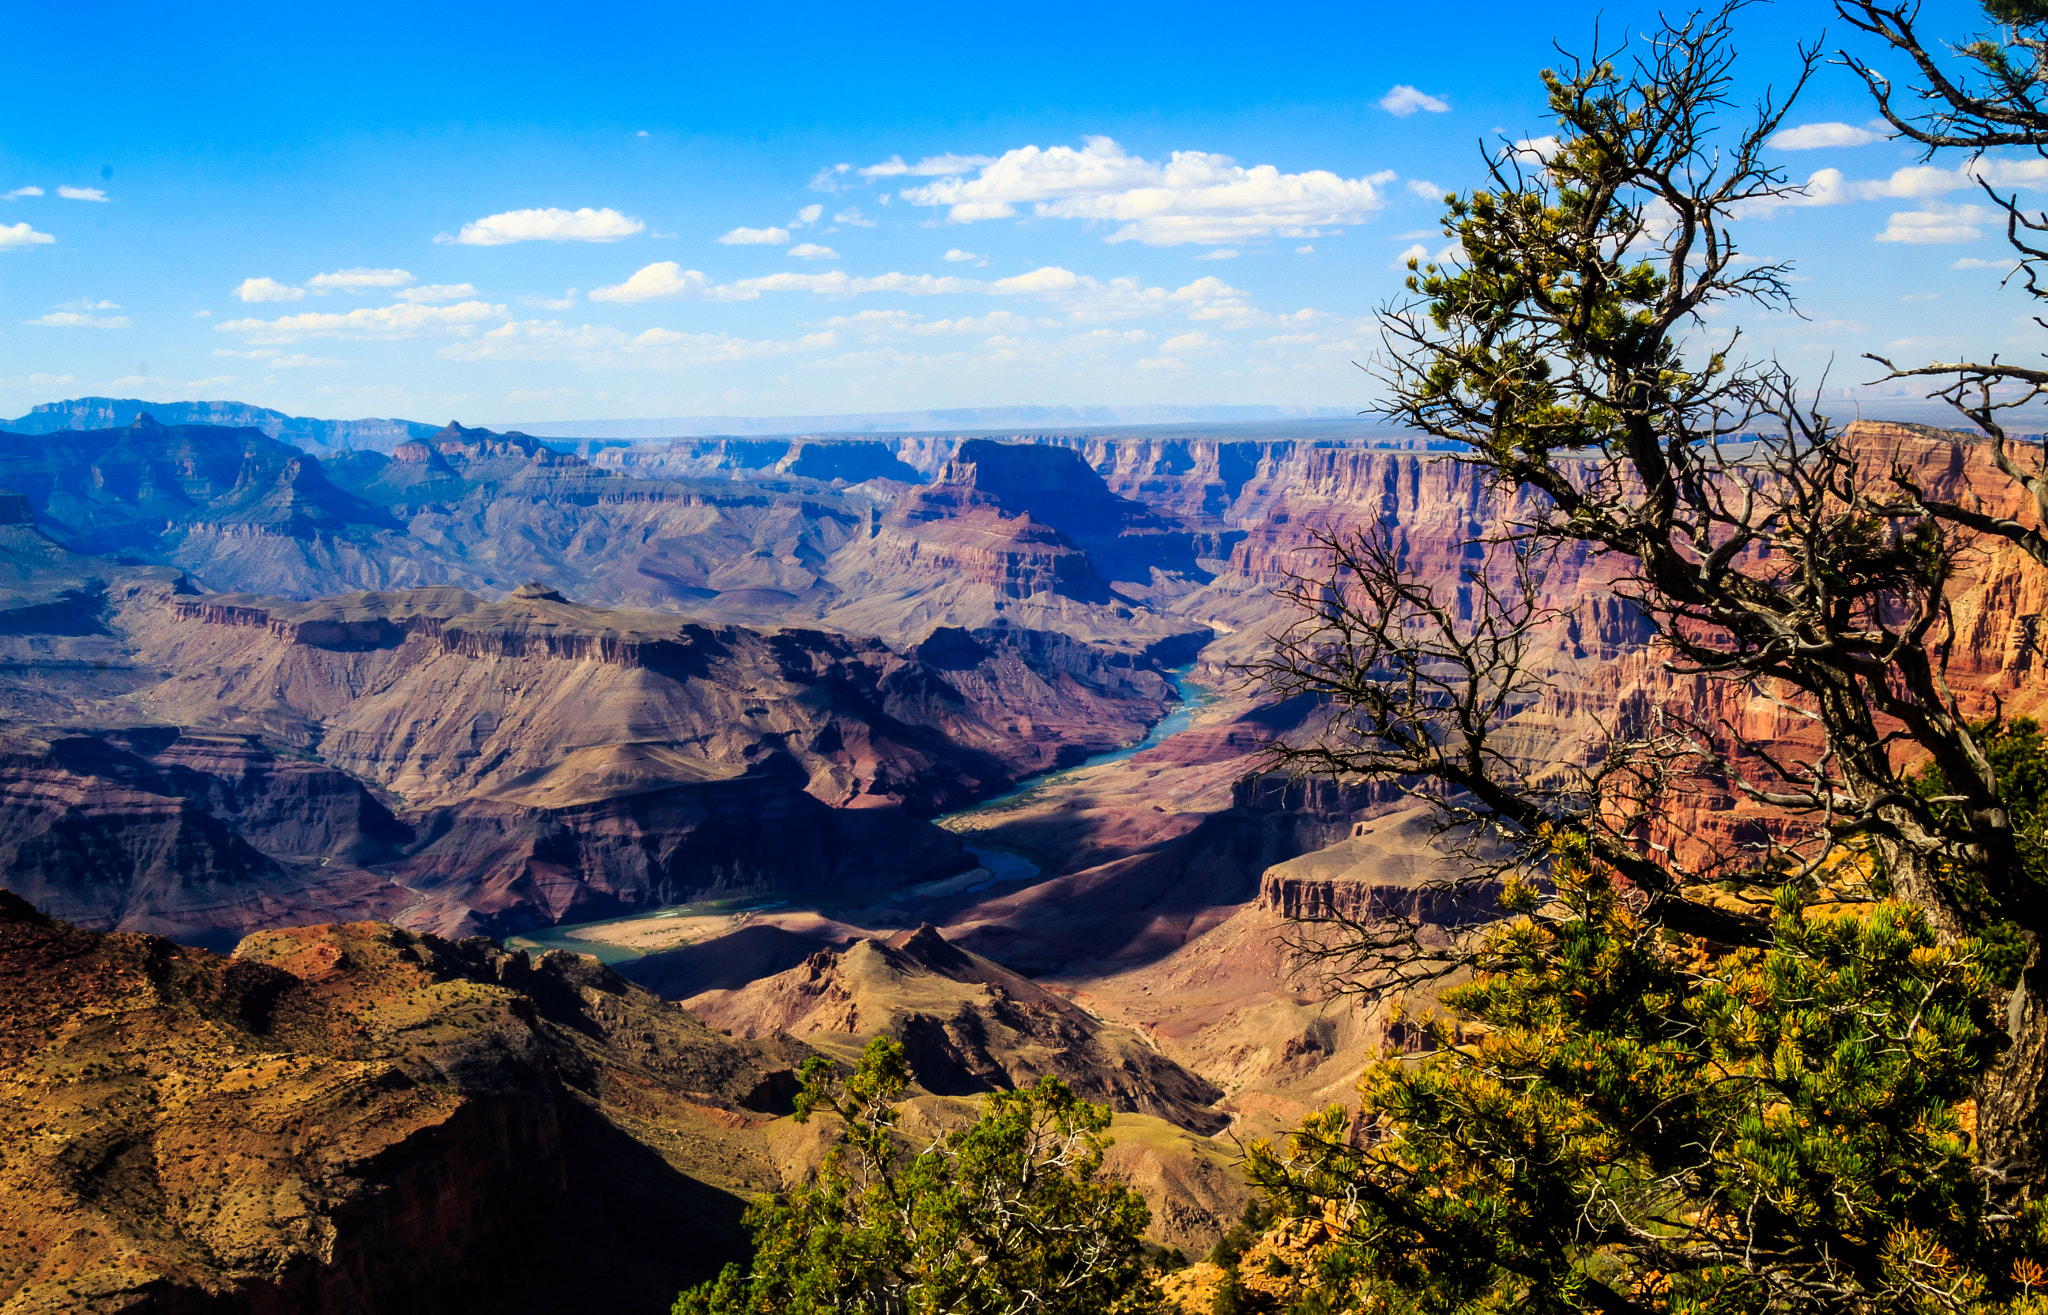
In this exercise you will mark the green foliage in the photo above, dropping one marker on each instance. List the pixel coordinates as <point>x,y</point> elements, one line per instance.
<point>1003,1216</point>
<point>1613,1117</point>
<point>2018,753</point>
<point>2016,11</point>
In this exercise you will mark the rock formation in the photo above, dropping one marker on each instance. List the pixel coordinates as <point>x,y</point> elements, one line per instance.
<point>354,1118</point>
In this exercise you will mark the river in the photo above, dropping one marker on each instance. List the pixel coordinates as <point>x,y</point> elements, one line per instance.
<point>999,866</point>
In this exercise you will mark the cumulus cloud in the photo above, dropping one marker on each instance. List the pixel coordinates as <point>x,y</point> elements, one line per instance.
<point>1220,253</point>
<point>1416,252</point>
<point>357,280</point>
<point>437,292</point>
<point>1161,363</point>
<point>1194,196</point>
<point>752,237</point>
<point>1535,150</point>
<point>1084,299</point>
<point>81,194</point>
<point>669,281</point>
<point>71,319</point>
<point>267,289</point>
<point>932,166</point>
<point>830,178</point>
<point>1938,222</point>
<point>1307,249</point>
<point>807,216</point>
<point>88,303</point>
<point>400,321</point>
<point>1812,136</point>
<point>1425,189</point>
<point>853,218</point>
<point>662,281</point>
<point>20,192</point>
<point>956,256</point>
<point>1978,262</point>
<point>1913,182</point>
<point>1186,342</point>
<point>21,235</point>
<point>1403,100</point>
<point>563,302</point>
<point>550,225</point>
<point>812,251</point>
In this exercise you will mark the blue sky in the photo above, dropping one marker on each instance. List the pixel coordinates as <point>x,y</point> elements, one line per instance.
<point>526,213</point>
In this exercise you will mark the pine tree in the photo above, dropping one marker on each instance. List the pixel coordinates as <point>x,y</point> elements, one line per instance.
<point>1006,1216</point>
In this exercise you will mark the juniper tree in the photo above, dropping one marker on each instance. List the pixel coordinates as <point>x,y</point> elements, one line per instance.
<point>1007,1216</point>
<point>1743,1082</point>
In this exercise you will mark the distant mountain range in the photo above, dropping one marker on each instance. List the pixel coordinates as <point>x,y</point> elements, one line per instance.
<point>897,422</point>
<point>85,413</point>
<point>375,434</point>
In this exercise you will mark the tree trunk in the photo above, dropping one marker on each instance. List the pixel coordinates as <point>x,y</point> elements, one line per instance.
<point>2012,1098</point>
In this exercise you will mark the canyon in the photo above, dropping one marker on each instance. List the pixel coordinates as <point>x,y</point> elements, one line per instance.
<point>809,739</point>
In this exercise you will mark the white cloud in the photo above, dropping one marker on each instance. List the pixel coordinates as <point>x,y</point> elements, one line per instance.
<point>401,321</point>
<point>1811,136</point>
<point>1161,363</point>
<point>1937,223</point>
<point>1403,100</point>
<point>836,284</point>
<point>81,194</point>
<point>1921,296</point>
<point>267,289</point>
<point>356,280</point>
<point>87,303</point>
<point>1978,262</point>
<point>1425,189</point>
<point>69,319</point>
<point>438,292</point>
<point>812,251</point>
<point>668,280</point>
<point>1117,337</point>
<point>956,255</point>
<point>830,178</point>
<point>1047,278</point>
<point>21,235</point>
<point>1220,253</point>
<point>1536,150</point>
<point>1194,196</point>
<point>657,282</point>
<point>1832,187</point>
<point>852,217</point>
<point>932,166</point>
<point>749,237</point>
<point>1306,250</point>
<point>1186,342</point>
<point>550,225</point>
<point>807,216</point>
<point>202,315</point>
<point>563,302</point>
<point>1082,298</point>
<point>1416,252</point>
<point>20,192</point>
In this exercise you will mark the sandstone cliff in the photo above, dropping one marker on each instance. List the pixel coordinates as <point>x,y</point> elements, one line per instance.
<point>352,1118</point>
